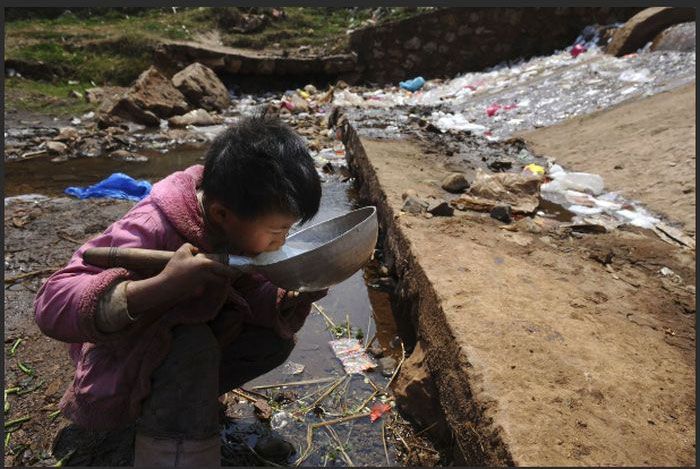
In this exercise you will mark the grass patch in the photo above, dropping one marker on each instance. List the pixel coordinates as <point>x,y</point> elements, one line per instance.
<point>46,98</point>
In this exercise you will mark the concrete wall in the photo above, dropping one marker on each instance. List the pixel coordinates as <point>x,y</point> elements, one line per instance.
<point>457,40</point>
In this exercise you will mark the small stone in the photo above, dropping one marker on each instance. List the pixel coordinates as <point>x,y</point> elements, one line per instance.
<point>66,134</point>
<point>440,208</point>
<point>376,351</point>
<point>56,147</point>
<point>414,205</point>
<point>274,449</point>
<point>387,365</point>
<point>502,213</point>
<point>500,165</point>
<point>455,183</point>
<point>76,95</point>
<point>384,271</point>
<point>407,193</point>
<point>311,89</point>
<point>618,166</point>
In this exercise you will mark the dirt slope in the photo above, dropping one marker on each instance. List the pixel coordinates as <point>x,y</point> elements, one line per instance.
<point>541,354</point>
<point>645,149</point>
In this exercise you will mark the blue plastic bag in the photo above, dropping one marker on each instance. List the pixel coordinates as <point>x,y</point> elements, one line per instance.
<point>116,186</point>
<point>413,85</point>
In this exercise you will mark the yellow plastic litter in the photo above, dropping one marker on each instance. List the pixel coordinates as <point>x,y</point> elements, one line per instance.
<point>535,169</point>
<point>304,94</point>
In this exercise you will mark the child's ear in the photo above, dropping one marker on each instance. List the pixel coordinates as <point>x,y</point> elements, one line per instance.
<point>218,212</point>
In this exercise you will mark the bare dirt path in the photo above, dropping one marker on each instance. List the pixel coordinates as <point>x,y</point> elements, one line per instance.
<point>645,149</point>
<point>543,352</point>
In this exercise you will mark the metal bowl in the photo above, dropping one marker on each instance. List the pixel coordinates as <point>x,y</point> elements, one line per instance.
<point>331,251</point>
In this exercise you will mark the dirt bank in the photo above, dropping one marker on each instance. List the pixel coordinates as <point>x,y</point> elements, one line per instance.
<point>644,149</point>
<point>543,351</point>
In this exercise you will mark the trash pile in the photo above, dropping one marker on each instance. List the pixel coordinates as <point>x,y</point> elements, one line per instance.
<point>534,93</point>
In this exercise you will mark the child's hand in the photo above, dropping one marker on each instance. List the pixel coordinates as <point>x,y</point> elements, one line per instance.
<point>292,299</point>
<point>188,273</point>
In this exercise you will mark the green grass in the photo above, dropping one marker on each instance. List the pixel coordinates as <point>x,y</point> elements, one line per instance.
<point>44,97</point>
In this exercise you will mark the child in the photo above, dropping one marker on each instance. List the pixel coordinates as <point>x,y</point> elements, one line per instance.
<point>158,349</point>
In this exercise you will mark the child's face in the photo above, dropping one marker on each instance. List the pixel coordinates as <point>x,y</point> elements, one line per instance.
<point>251,237</point>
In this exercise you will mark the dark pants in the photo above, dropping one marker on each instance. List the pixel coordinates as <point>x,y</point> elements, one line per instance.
<point>184,389</point>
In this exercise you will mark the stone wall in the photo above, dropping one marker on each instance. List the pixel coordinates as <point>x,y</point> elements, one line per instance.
<point>457,40</point>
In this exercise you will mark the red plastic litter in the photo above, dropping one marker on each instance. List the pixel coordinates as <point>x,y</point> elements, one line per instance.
<point>378,410</point>
<point>577,50</point>
<point>492,110</point>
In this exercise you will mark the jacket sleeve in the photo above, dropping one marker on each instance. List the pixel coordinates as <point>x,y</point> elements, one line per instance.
<point>269,306</point>
<point>65,305</point>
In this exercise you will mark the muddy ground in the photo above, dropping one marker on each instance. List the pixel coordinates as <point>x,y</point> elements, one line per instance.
<point>574,348</point>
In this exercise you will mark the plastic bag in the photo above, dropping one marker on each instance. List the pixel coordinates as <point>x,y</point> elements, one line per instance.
<point>413,85</point>
<point>352,355</point>
<point>116,186</point>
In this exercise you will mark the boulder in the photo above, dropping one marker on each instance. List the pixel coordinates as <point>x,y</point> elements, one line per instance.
<point>202,87</point>
<point>680,37</point>
<point>455,183</point>
<point>56,148</point>
<point>644,26</point>
<point>195,117</point>
<point>151,98</point>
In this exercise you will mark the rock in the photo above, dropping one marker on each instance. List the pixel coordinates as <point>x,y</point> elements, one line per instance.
<point>202,87</point>
<point>195,117</point>
<point>440,208</point>
<point>75,94</point>
<point>500,165</point>
<point>502,213</point>
<point>376,351</point>
<point>341,85</point>
<point>455,183</point>
<point>274,449</point>
<point>124,155</point>
<point>100,93</point>
<point>387,366</point>
<point>644,26</point>
<point>67,134</point>
<point>680,37</point>
<point>89,148</point>
<point>151,97</point>
<point>415,391</point>
<point>56,148</point>
<point>407,193</point>
<point>311,89</point>
<point>415,205</point>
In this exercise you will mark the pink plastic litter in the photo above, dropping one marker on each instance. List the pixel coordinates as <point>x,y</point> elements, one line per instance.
<point>577,50</point>
<point>494,108</point>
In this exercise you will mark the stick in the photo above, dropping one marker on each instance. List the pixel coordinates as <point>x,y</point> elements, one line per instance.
<point>64,459</point>
<point>386,451</point>
<point>243,395</point>
<point>347,320</point>
<point>369,325</point>
<point>341,420</point>
<point>366,401</point>
<point>14,347</point>
<point>31,155</point>
<point>62,235</point>
<point>18,421</point>
<point>323,313</point>
<point>398,367</point>
<point>426,428</point>
<point>324,395</point>
<point>253,393</point>
<point>33,273</point>
<point>294,383</point>
<point>334,436</point>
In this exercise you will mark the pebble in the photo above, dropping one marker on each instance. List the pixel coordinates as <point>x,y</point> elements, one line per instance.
<point>455,183</point>
<point>387,365</point>
<point>502,213</point>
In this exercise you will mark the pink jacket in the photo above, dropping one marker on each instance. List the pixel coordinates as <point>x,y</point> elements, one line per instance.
<point>112,375</point>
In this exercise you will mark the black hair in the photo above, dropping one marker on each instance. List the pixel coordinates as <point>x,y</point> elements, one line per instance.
<point>260,165</point>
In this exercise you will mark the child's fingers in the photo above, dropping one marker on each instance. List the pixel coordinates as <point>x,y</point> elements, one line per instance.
<point>292,293</point>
